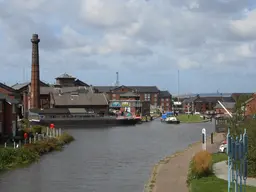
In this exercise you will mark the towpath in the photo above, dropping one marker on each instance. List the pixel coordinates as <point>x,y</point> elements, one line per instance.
<point>171,175</point>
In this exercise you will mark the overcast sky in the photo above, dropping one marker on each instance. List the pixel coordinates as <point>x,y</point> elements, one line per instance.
<point>211,42</point>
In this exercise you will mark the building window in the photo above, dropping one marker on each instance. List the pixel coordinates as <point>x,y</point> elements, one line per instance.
<point>147,97</point>
<point>1,106</point>
<point>167,104</point>
<point>167,99</point>
<point>162,104</point>
<point>155,100</point>
<point>114,95</point>
<point>13,109</point>
<point>162,100</point>
<point>155,95</point>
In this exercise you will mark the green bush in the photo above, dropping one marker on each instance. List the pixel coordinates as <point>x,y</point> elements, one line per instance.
<point>37,129</point>
<point>25,123</point>
<point>11,158</point>
<point>250,126</point>
<point>200,166</point>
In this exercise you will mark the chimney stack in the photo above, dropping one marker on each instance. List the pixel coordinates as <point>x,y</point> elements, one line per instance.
<point>35,74</point>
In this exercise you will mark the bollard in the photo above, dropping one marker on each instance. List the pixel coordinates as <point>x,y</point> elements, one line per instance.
<point>5,145</point>
<point>47,131</point>
<point>211,138</point>
<point>203,139</point>
<point>14,145</point>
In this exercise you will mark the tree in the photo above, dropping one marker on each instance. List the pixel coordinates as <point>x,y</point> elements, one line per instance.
<point>239,106</point>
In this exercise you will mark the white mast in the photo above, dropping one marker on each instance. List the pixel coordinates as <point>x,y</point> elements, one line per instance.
<point>225,109</point>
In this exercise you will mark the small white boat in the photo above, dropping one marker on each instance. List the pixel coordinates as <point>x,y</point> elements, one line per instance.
<point>172,120</point>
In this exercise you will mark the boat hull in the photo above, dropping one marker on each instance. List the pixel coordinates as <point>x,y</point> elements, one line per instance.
<point>87,123</point>
<point>172,122</point>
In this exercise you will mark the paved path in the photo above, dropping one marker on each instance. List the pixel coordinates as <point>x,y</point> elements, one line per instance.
<point>221,171</point>
<point>171,174</point>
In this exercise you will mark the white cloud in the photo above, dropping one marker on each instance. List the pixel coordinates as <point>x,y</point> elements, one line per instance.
<point>165,34</point>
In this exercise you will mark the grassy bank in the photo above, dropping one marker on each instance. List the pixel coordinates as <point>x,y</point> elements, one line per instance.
<point>185,118</point>
<point>201,177</point>
<point>11,158</point>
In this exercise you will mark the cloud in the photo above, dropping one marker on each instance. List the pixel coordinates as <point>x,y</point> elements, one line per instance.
<point>214,37</point>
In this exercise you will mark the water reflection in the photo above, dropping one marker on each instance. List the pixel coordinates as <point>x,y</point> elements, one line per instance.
<point>104,160</point>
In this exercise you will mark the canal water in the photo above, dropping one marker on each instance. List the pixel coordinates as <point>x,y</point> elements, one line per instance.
<point>104,160</point>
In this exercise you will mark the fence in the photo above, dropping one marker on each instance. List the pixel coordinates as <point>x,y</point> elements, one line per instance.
<point>50,133</point>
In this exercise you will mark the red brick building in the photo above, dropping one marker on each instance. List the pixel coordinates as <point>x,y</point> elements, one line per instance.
<point>8,115</point>
<point>146,93</point>
<point>250,106</point>
<point>165,100</point>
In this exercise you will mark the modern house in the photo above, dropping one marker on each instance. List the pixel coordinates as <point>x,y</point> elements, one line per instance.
<point>204,103</point>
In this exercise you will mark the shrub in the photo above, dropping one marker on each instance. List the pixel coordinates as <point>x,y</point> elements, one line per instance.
<point>66,138</point>
<point>200,166</point>
<point>250,126</point>
<point>37,129</point>
<point>11,158</point>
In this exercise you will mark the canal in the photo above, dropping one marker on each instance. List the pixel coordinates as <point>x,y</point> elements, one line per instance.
<point>104,160</point>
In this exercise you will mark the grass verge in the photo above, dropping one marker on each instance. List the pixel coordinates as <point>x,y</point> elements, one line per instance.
<point>211,183</point>
<point>11,158</point>
<point>185,118</point>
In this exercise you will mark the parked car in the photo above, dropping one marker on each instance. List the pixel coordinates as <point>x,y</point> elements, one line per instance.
<point>223,147</point>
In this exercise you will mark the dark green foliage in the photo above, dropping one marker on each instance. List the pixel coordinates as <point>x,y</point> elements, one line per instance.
<point>37,129</point>
<point>250,126</point>
<point>12,158</point>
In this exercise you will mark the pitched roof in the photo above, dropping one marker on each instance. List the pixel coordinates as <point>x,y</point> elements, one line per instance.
<point>140,89</point>
<point>145,89</point>
<point>78,82</point>
<point>6,87</point>
<point>228,105</point>
<point>57,90</point>
<point>104,89</point>
<point>81,99</point>
<point>189,100</point>
<point>19,86</point>
<point>164,94</point>
<point>65,76</point>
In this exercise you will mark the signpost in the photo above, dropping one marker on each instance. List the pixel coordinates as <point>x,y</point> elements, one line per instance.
<point>237,150</point>
<point>204,139</point>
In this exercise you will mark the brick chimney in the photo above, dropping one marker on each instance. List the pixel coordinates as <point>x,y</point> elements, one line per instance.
<point>35,74</point>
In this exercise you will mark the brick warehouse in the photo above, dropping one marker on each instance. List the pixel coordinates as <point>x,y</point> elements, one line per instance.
<point>8,115</point>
